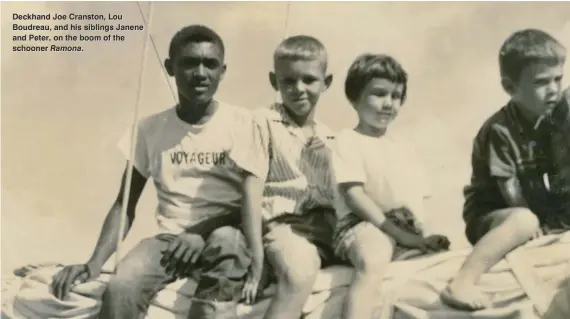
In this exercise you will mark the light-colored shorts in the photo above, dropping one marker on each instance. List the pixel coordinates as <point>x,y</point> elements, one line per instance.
<point>351,228</point>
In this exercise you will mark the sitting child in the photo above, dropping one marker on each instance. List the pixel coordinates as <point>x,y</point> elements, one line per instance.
<point>378,208</point>
<point>517,189</point>
<point>298,213</point>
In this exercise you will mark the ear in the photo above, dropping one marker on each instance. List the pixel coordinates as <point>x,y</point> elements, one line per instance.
<point>508,85</point>
<point>328,81</point>
<point>169,67</point>
<point>273,80</point>
<point>224,68</point>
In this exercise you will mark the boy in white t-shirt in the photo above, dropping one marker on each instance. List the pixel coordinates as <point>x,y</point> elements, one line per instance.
<point>202,157</point>
<point>379,199</point>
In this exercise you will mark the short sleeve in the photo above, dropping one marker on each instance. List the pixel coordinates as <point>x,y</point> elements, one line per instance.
<point>141,159</point>
<point>249,147</point>
<point>501,161</point>
<point>348,162</point>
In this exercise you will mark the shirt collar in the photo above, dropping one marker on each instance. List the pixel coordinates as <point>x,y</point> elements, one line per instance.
<point>559,118</point>
<point>282,116</point>
<point>286,118</point>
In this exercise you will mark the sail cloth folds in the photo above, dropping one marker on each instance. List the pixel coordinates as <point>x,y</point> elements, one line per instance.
<point>520,286</point>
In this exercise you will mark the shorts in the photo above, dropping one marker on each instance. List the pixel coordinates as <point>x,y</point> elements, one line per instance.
<point>350,226</point>
<point>481,224</point>
<point>316,226</point>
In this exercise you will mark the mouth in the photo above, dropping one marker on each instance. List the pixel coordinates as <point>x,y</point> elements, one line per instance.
<point>299,100</point>
<point>550,106</point>
<point>200,87</point>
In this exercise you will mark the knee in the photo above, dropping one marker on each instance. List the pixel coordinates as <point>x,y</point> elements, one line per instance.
<point>524,222</point>
<point>127,277</point>
<point>120,287</point>
<point>370,251</point>
<point>371,260</point>
<point>297,270</point>
<point>226,235</point>
<point>371,264</point>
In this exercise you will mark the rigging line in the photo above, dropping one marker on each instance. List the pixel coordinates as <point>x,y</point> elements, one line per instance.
<point>166,76</point>
<point>287,15</point>
<point>134,131</point>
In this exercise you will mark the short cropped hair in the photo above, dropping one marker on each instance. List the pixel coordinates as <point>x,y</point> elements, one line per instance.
<point>194,33</point>
<point>528,46</point>
<point>369,66</point>
<point>301,48</point>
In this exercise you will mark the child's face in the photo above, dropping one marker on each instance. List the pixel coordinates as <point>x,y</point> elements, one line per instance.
<point>198,69</point>
<point>539,88</point>
<point>379,103</point>
<point>300,84</point>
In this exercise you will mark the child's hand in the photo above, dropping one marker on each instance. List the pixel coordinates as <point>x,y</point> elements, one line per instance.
<point>249,292</point>
<point>538,233</point>
<point>437,242</point>
<point>413,241</point>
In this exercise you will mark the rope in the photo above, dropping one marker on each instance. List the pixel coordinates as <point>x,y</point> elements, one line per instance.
<point>166,76</point>
<point>287,15</point>
<point>134,131</point>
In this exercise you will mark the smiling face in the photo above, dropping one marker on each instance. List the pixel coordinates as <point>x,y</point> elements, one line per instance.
<point>538,89</point>
<point>379,103</point>
<point>300,83</point>
<point>198,68</point>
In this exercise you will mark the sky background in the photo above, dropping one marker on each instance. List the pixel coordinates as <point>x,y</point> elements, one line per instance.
<point>63,112</point>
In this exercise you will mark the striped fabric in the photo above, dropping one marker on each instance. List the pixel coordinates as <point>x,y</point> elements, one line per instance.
<point>299,166</point>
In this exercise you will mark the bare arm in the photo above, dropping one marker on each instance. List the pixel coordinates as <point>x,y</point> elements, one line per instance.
<point>107,243</point>
<point>361,205</point>
<point>251,216</point>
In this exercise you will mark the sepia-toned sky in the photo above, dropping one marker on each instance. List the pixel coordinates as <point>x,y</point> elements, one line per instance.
<point>63,112</point>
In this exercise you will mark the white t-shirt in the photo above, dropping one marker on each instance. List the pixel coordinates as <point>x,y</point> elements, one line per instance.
<point>197,169</point>
<point>389,171</point>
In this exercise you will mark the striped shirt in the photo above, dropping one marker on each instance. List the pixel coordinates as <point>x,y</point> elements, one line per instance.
<point>298,169</point>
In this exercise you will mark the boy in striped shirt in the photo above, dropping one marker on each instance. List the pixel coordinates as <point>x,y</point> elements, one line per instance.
<point>298,214</point>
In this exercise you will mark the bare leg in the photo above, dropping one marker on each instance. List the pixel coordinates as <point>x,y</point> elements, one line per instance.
<point>370,252</point>
<point>296,263</point>
<point>509,229</point>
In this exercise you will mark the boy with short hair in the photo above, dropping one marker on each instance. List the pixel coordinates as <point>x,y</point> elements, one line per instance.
<point>511,197</point>
<point>379,201</point>
<point>297,206</point>
<point>201,155</point>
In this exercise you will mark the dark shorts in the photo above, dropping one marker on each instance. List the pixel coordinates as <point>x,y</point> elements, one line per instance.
<point>316,226</point>
<point>479,226</point>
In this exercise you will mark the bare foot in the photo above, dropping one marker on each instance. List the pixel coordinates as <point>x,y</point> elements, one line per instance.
<point>465,298</point>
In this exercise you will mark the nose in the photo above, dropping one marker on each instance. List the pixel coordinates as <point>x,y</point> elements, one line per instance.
<point>387,103</point>
<point>554,87</point>
<point>299,87</point>
<point>200,70</point>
